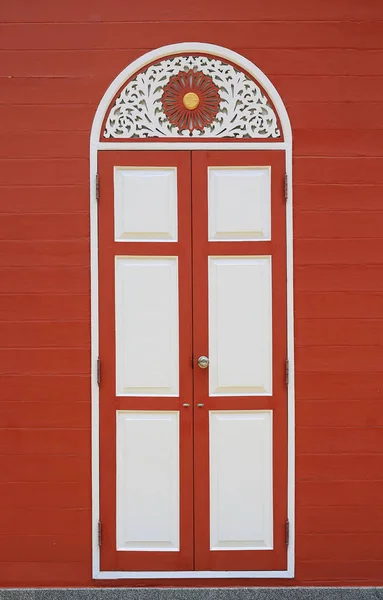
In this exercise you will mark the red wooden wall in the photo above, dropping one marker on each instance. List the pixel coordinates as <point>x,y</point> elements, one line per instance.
<point>56,60</point>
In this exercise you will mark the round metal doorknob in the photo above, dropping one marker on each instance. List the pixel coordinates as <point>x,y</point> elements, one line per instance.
<point>203,362</point>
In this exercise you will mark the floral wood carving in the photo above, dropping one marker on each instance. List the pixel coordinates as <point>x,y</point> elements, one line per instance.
<point>190,100</point>
<point>192,96</point>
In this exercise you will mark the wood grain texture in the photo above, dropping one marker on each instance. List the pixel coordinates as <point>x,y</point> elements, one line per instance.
<point>275,10</point>
<point>57,59</point>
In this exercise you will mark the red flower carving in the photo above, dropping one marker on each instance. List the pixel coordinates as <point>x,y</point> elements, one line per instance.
<point>190,100</point>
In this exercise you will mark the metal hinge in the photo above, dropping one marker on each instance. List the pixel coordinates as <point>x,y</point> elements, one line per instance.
<point>97,187</point>
<point>286,188</point>
<point>99,530</point>
<point>98,370</point>
<point>287,372</point>
<point>287,532</point>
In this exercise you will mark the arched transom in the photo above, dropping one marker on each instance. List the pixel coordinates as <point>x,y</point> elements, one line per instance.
<point>191,96</point>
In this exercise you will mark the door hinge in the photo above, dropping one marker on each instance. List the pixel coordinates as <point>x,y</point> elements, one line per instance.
<point>286,188</point>
<point>99,531</point>
<point>98,371</point>
<point>287,532</point>
<point>97,187</point>
<point>287,372</point>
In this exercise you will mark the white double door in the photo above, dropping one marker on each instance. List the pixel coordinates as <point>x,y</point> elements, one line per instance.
<point>193,450</point>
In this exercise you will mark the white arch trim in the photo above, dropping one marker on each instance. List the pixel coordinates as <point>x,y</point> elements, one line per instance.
<point>95,146</point>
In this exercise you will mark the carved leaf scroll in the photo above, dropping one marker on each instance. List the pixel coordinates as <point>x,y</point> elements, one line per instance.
<point>243,112</point>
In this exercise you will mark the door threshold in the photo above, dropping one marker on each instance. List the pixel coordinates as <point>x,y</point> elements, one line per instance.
<point>193,574</point>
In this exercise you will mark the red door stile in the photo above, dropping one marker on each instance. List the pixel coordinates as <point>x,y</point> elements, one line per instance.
<point>239,560</point>
<point>112,559</point>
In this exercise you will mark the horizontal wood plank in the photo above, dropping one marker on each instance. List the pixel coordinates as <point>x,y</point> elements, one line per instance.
<point>338,251</point>
<point>47,171</point>
<point>45,548</point>
<point>44,307</point>
<point>73,117</point>
<point>330,278</point>
<point>48,361</point>
<point>52,227</point>
<point>339,467</point>
<point>341,332</point>
<point>273,10</point>
<point>243,31</point>
<point>45,521</point>
<point>24,280</point>
<point>26,252</point>
<point>337,141</point>
<point>334,440</point>
<point>334,359</point>
<point>71,442</point>
<point>339,493</point>
<point>337,305</point>
<point>46,144</point>
<point>43,388</point>
<point>51,468</point>
<point>339,170</point>
<point>361,546</point>
<point>45,334</point>
<point>340,519</point>
<point>46,574</point>
<point>356,386</point>
<point>334,196</point>
<point>45,495</point>
<point>340,572</point>
<point>41,199</point>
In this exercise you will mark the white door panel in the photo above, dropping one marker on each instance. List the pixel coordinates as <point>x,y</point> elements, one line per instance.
<point>145,204</point>
<point>147,481</point>
<point>240,329</point>
<point>241,499</point>
<point>147,344</point>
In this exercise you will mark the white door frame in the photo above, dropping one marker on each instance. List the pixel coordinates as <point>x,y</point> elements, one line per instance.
<point>95,147</point>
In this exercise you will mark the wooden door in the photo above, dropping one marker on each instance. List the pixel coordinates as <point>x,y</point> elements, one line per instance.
<point>192,263</point>
<point>146,445</point>
<point>239,303</point>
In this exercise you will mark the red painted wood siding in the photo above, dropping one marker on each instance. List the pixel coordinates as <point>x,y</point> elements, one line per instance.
<point>326,59</point>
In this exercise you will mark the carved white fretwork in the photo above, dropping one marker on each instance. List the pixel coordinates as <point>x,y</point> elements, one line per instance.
<point>243,112</point>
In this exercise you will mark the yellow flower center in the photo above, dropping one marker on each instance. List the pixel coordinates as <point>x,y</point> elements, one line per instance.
<point>190,100</point>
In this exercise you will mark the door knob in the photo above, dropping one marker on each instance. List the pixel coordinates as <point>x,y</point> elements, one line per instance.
<point>203,362</point>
